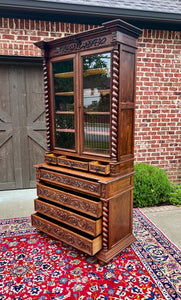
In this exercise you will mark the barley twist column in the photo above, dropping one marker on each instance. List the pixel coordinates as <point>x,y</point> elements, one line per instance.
<point>46,90</point>
<point>114,107</point>
<point>105,226</point>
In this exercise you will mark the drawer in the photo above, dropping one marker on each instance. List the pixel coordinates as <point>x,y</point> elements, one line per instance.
<point>88,245</point>
<point>72,163</point>
<point>92,227</point>
<point>70,182</point>
<point>51,159</point>
<point>99,168</point>
<point>69,200</point>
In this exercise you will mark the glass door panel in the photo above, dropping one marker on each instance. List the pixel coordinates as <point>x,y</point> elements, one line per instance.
<point>96,103</point>
<point>63,77</point>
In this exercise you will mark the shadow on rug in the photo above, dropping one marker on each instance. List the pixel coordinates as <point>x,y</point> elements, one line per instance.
<point>33,266</point>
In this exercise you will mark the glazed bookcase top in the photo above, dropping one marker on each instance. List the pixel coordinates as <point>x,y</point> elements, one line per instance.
<point>89,81</point>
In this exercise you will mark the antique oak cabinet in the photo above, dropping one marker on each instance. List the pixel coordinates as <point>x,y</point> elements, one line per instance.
<point>85,185</point>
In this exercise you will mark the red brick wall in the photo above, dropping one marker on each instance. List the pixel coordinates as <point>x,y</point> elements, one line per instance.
<point>158,103</point>
<point>18,35</point>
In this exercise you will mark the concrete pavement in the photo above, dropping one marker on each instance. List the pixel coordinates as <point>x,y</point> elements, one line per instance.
<point>168,220</point>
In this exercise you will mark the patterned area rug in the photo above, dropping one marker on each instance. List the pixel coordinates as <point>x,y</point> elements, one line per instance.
<point>33,266</point>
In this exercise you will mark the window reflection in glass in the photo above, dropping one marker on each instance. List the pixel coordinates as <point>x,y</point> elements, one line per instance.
<point>96,102</point>
<point>64,104</point>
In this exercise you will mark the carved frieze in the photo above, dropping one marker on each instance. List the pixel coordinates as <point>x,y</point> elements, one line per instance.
<point>78,44</point>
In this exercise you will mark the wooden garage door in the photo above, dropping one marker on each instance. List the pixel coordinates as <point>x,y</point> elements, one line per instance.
<point>22,124</point>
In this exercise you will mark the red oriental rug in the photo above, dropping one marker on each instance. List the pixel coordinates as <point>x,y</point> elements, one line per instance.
<point>34,266</point>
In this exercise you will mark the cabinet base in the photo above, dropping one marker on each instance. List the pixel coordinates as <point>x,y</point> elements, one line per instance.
<point>104,256</point>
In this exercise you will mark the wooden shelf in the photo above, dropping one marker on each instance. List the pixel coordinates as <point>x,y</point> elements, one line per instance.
<point>97,92</point>
<point>95,71</point>
<point>104,113</point>
<point>64,94</point>
<point>105,133</point>
<point>59,112</point>
<point>104,92</point>
<point>64,75</point>
<point>65,130</point>
<point>86,73</point>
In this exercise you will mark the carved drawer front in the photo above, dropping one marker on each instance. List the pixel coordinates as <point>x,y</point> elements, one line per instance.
<point>92,227</point>
<point>72,163</point>
<point>51,159</point>
<point>88,245</point>
<point>99,168</point>
<point>70,182</point>
<point>69,200</point>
